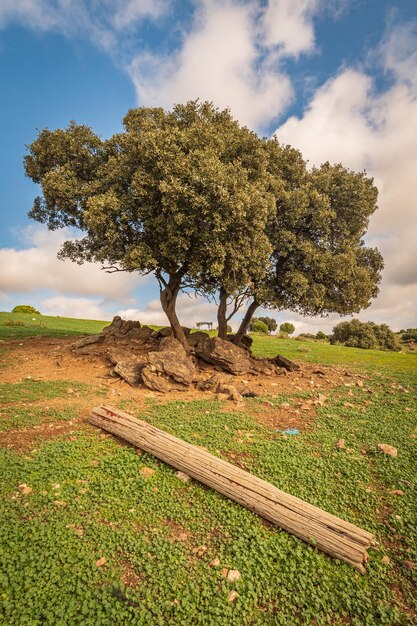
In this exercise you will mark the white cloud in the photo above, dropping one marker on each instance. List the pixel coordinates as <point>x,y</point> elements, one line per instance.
<point>81,308</point>
<point>36,267</point>
<point>232,56</point>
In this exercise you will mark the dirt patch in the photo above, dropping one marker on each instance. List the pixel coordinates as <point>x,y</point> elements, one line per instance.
<point>27,440</point>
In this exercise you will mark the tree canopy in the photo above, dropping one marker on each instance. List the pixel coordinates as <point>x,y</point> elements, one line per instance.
<point>368,335</point>
<point>206,204</point>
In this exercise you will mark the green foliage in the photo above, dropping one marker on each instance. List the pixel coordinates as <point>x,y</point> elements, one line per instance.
<point>287,328</point>
<point>257,326</point>
<point>25,308</point>
<point>13,323</point>
<point>409,335</point>
<point>270,322</point>
<point>366,335</point>
<point>321,335</point>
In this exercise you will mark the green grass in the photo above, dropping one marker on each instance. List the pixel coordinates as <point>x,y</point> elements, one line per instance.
<point>45,325</point>
<point>89,500</point>
<point>31,390</point>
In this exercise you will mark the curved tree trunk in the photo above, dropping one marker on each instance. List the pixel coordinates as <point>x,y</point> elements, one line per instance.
<point>168,296</point>
<point>221,314</point>
<point>244,325</point>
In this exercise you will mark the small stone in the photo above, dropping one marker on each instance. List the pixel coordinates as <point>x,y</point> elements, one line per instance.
<point>386,560</point>
<point>409,565</point>
<point>340,444</point>
<point>214,563</point>
<point>55,486</point>
<point>25,489</point>
<point>183,536</point>
<point>200,550</point>
<point>233,575</point>
<point>70,391</point>
<point>60,503</point>
<point>397,492</point>
<point>147,472</point>
<point>348,405</point>
<point>224,571</point>
<point>232,596</point>
<point>183,477</point>
<point>389,450</point>
<point>94,463</point>
<point>101,561</point>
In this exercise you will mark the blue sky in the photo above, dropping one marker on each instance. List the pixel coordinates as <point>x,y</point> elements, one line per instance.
<point>337,79</point>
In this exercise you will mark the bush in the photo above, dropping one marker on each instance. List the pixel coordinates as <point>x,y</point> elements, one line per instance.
<point>13,323</point>
<point>287,327</point>
<point>25,308</point>
<point>256,326</point>
<point>321,335</point>
<point>270,322</point>
<point>306,336</point>
<point>367,335</point>
<point>409,335</point>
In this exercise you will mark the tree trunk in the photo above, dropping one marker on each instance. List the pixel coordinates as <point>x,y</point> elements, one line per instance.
<point>221,314</point>
<point>323,530</point>
<point>244,325</point>
<point>168,297</point>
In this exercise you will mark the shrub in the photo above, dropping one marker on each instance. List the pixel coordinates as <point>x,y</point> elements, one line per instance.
<point>25,308</point>
<point>409,335</point>
<point>256,326</point>
<point>287,327</point>
<point>306,336</point>
<point>321,335</point>
<point>367,335</point>
<point>13,323</point>
<point>270,322</point>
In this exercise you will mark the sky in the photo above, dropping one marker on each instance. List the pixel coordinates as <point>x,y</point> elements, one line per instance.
<point>336,79</point>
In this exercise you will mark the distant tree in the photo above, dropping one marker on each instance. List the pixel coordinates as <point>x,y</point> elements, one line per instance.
<point>25,308</point>
<point>270,322</point>
<point>287,328</point>
<point>366,335</point>
<point>321,335</point>
<point>409,335</point>
<point>257,326</point>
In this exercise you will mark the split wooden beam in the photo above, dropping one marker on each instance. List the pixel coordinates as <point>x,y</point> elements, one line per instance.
<point>332,535</point>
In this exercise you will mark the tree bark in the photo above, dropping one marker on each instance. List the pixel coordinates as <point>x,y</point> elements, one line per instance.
<point>323,530</point>
<point>168,296</point>
<point>221,314</point>
<point>244,325</point>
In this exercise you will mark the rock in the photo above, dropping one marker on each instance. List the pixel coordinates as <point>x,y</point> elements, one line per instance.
<point>224,572</point>
<point>214,563</point>
<point>397,492</point>
<point>87,341</point>
<point>386,560</point>
<point>60,503</point>
<point>340,444</point>
<point>118,354</point>
<point>197,339</point>
<point>233,575</point>
<point>233,595</point>
<point>262,367</point>
<point>101,561</point>
<point>130,371</point>
<point>165,332</point>
<point>157,382</point>
<point>245,343</point>
<point>207,384</point>
<point>409,565</point>
<point>389,450</point>
<point>25,489</point>
<point>183,477</point>
<point>281,361</point>
<point>172,361</point>
<point>147,472</point>
<point>224,354</point>
<point>320,400</point>
<point>248,393</point>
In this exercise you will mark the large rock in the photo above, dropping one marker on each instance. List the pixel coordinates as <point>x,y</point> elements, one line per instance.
<point>130,371</point>
<point>224,354</point>
<point>87,341</point>
<point>263,367</point>
<point>281,361</point>
<point>121,328</point>
<point>172,361</point>
<point>156,381</point>
<point>198,339</point>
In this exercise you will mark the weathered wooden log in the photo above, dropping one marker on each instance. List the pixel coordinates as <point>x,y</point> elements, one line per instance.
<point>327,532</point>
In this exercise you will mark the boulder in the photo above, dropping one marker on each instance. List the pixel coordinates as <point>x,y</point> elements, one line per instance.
<point>197,339</point>
<point>281,361</point>
<point>246,341</point>
<point>207,383</point>
<point>158,382</point>
<point>172,361</point>
<point>130,371</point>
<point>115,355</point>
<point>231,392</point>
<point>224,355</point>
<point>87,341</point>
<point>263,367</point>
<point>120,327</point>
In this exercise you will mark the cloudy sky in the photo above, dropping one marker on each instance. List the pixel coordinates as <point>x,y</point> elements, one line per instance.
<point>335,78</point>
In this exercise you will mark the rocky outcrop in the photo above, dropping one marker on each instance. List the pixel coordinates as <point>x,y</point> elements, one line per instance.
<point>130,371</point>
<point>172,362</point>
<point>224,355</point>
<point>281,361</point>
